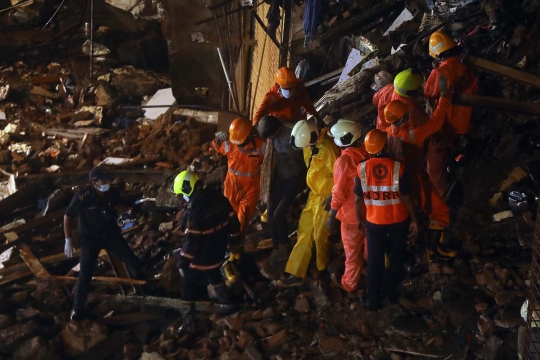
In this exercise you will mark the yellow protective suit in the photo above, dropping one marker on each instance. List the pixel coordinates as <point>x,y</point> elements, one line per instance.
<point>312,225</point>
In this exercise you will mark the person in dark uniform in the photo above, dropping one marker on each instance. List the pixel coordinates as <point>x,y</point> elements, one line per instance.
<point>98,229</point>
<point>211,226</point>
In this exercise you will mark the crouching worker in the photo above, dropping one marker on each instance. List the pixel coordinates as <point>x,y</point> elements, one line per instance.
<point>210,226</point>
<point>98,229</point>
<point>320,154</point>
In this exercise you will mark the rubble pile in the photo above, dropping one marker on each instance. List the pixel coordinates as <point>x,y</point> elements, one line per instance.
<point>55,125</point>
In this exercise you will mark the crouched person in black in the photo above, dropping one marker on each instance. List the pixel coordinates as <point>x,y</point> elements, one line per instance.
<point>210,226</point>
<point>98,230</point>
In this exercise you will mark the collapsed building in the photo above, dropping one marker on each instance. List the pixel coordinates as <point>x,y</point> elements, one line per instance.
<point>139,87</point>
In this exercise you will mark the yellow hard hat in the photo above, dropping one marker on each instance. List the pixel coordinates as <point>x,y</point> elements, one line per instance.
<point>184,183</point>
<point>439,42</point>
<point>407,82</point>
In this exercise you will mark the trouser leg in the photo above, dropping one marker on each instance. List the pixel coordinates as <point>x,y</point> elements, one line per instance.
<point>276,194</point>
<point>321,233</point>
<point>301,254</point>
<point>396,247</point>
<point>88,259</point>
<point>432,202</point>
<point>192,284</point>
<point>353,241</point>
<point>118,246</point>
<point>246,210</point>
<point>376,238</point>
<point>286,191</point>
<point>437,163</point>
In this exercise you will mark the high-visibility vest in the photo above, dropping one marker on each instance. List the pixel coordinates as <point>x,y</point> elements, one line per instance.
<point>380,184</point>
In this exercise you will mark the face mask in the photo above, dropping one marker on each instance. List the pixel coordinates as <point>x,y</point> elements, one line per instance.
<point>185,197</point>
<point>286,93</point>
<point>104,188</point>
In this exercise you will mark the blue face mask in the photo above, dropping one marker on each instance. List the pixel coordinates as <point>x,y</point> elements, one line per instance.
<point>286,93</point>
<point>104,188</point>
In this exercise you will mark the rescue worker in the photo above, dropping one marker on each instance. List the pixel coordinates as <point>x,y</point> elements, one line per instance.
<point>210,225</point>
<point>384,81</point>
<point>347,135</point>
<point>287,100</point>
<point>397,114</point>
<point>288,180</point>
<point>98,229</point>
<point>385,208</point>
<point>460,78</point>
<point>245,154</point>
<point>320,155</point>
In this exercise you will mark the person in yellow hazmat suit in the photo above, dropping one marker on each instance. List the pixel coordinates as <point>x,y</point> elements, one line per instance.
<point>320,153</point>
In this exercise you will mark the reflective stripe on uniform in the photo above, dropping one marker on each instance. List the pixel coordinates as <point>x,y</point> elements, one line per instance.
<point>411,135</point>
<point>397,165</point>
<point>226,143</point>
<point>205,267</point>
<point>208,231</point>
<point>395,179</point>
<point>382,202</point>
<point>363,177</point>
<point>245,174</point>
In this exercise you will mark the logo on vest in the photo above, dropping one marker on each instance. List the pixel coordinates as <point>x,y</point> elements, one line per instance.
<point>380,172</point>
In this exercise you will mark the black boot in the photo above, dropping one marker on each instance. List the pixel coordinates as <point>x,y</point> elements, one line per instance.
<point>188,323</point>
<point>222,294</point>
<point>78,315</point>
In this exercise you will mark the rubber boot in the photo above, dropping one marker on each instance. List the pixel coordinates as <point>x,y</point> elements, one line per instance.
<point>188,323</point>
<point>436,249</point>
<point>222,294</point>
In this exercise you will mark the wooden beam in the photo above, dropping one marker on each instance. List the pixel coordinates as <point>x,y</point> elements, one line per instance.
<point>45,220</point>
<point>287,21</point>
<point>121,271</point>
<point>47,260</point>
<point>502,70</point>
<point>102,280</point>
<point>324,77</point>
<point>31,261</point>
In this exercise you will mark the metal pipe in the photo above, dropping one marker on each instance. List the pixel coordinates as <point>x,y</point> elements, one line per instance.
<point>503,70</point>
<point>91,40</point>
<point>229,82</point>
<point>495,103</point>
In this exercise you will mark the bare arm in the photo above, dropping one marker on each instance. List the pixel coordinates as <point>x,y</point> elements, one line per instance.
<point>412,213</point>
<point>68,222</point>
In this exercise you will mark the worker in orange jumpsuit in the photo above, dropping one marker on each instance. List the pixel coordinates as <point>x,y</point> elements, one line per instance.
<point>245,154</point>
<point>383,81</point>
<point>287,100</point>
<point>347,135</point>
<point>460,78</point>
<point>385,209</point>
<point>398,116</point>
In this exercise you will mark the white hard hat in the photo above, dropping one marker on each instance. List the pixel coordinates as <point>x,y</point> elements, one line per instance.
<point>346,132</point>
<point>383,78</point>
<point>305,133</point>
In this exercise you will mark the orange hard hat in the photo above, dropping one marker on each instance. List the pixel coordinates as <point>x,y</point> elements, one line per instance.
<point>395,111</point>
<point>439,42</point>
<point>239,131</point>
<point>375,141</point>
<point>286,78</point>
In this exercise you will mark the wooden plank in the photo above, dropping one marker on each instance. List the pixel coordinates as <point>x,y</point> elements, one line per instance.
<point>96,279</point>
<point>47,260</point>
<point>121,271</point>
<point>503,70</point>
<point>132,318</point>
<point>31,261</point>
<point>45,220</point>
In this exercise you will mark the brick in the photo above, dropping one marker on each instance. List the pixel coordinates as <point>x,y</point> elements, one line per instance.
<point>277,339</point>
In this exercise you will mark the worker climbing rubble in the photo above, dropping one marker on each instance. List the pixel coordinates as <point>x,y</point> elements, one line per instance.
<point>287,100</point>
<point>399,116</point>
<point>245,154</point>
<point>320,155</point>
<point>348,136</point>
<point>98,229</point>
<point>212,228</point>
<point>453,135</point>
<point>385,209</point>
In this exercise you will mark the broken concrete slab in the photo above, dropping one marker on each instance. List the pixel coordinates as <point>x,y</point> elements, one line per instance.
<point>81,336</point>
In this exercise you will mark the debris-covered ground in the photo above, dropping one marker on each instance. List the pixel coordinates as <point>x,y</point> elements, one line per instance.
<point>55,125</point>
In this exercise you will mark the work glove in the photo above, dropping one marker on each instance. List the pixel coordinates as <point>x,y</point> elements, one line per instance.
<point>221,136</point>
<point>68,248</point>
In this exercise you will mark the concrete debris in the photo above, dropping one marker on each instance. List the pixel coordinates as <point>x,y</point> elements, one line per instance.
<point>98,49</point>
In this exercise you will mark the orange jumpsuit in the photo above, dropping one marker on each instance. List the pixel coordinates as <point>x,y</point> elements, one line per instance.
<point>343,201</point>
<point>242,183</point>
<point>292,109</point>
<point>425,195</point>
<point>459,78</point>
<point>380,99</point>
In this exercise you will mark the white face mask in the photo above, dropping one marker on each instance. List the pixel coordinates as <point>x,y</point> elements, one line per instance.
<point>104,188</point>
<point>286,93</point>
<point>185,197</point>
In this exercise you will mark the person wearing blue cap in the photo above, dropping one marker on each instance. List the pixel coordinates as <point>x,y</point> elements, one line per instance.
<point>98,229</point>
